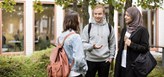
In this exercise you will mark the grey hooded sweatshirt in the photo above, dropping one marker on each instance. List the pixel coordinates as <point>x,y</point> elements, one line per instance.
<point>99,34</point>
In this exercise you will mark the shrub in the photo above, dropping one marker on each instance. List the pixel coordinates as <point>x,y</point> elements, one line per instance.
<point>158,71</point>
<point>35,65</point>
<point>25,66</point>
<point>9,66</point>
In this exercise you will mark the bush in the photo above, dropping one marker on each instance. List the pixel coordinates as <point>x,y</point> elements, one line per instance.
<point>35,65</point>
<point>9,66</point>
<point>24,66</point>
<point>158,71</point>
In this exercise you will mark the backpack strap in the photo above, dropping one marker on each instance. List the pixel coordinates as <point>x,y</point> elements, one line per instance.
<point>89,29</point>
<point>110,28</point>
<point>63,44</point>
<point>65,39</point>
<point>54,53</point>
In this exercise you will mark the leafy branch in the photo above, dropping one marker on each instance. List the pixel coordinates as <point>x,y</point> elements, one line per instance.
<point>8,5</point>
<point>63,3</point>
<point>38,8</point>
<point>118,5</point>
<point>150,4</point>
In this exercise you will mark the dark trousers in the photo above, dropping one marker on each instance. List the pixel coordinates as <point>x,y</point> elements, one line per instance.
<point>101,67</point>
<point>123,72</point>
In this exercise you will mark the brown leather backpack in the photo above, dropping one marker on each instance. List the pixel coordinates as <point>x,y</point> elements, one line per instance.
<point>59,66</point>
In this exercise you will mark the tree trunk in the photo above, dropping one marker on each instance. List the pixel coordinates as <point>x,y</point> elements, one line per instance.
<point>85,14</point>
<point>75,5</point>
<point>111,14</point>
<point>128,4</point>
<point>110,21</point>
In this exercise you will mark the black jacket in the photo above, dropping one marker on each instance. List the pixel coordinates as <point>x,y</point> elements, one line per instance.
<point>139,44</point>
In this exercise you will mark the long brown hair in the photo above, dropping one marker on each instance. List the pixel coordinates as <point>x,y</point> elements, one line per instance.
<point>71,21</point>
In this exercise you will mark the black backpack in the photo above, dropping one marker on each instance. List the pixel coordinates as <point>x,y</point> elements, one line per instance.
<point>90,25</point>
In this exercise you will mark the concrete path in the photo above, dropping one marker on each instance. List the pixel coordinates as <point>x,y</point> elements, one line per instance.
<point>156,54</point>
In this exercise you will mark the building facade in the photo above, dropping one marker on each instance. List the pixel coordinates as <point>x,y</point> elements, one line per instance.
<point>25,31</point>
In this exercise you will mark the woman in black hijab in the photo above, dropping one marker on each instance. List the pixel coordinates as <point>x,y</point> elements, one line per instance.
<point>133,41</point>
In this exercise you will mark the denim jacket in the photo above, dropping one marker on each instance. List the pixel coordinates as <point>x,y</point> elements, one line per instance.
<point>74,50</point>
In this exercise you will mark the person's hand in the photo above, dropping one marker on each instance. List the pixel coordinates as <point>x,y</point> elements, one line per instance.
<point>127,42</point>
<point>97,47</point>
<point>109,60</point>
<point>125,38</point>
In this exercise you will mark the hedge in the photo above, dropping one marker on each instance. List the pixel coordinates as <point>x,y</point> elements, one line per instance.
<point>35,65</point>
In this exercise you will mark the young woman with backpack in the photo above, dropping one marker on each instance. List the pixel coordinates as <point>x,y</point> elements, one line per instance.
<point>73,44</point>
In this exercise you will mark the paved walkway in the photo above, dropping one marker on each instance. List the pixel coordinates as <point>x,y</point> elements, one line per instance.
<point>156,54</point>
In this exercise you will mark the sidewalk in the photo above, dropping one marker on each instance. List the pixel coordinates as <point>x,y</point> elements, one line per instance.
<point>156,54</point>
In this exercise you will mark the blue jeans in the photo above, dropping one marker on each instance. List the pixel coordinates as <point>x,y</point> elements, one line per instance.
<point>101,67</point>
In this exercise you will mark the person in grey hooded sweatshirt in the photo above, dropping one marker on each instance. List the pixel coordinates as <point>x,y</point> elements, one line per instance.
<point>99,52</point>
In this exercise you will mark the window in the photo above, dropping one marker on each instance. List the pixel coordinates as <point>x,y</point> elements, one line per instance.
<point>149,23</point>
<point>13,29</point>
<point>44,27</point>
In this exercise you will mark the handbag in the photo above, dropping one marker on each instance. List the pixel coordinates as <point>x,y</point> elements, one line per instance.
<point>144,64</point>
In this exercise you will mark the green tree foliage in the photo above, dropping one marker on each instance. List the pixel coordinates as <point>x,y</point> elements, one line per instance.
<point>83,4</point>
<point>150,4</point>
<point>63,3</point>
<point>8,5</point>
<point>118,5</point>
<point>92,3</point>
<point>38,8</point>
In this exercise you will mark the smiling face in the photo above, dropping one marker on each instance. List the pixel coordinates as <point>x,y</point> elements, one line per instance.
<point>98,14</point>
<point>128,18</point>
